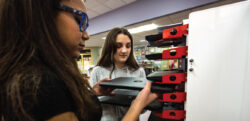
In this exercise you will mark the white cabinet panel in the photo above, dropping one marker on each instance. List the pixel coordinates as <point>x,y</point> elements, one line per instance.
<point>218,88</point>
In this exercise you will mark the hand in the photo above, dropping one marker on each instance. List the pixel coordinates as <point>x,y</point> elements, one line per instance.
<point>99,90</point>
<point>142,100</point>
<point>145,97</point>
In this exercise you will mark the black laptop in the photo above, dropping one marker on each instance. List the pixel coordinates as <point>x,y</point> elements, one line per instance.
<point>135,83</point>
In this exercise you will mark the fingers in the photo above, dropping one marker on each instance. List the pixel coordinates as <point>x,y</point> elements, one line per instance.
<point>149,96</point>
<point>112,93</point>
<point>153,96</point>
<point>109,90</point>
<point>106,91</point>
<point>102,90</point>
<point>105,80</point>
<point>148,85</point>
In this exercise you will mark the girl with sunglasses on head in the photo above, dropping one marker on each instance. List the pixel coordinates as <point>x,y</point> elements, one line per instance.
<point>39,78</point>
<point>117,60</point>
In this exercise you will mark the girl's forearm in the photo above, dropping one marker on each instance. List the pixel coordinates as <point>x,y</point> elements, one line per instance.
<point>132,114</point>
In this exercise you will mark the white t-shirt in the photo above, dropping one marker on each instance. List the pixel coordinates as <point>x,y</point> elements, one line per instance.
<point>112,112</point>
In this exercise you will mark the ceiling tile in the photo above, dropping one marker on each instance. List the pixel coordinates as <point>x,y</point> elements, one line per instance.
<point>115,4</point>
<point>92,14</point>
<point>91,3</point>
<point>102,9</point>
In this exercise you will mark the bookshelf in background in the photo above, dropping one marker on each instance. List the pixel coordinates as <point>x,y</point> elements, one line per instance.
<point>85,60</point>
<point>141,51</point>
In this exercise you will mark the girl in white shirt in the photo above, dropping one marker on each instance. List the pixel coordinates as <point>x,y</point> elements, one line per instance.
<point>117,60</point>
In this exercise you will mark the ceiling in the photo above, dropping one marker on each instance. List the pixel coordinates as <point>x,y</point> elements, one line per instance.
<point>99,7</point>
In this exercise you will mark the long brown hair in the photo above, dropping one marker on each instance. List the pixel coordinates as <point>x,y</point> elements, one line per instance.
<point>109,49</point>
<point>29,47</point>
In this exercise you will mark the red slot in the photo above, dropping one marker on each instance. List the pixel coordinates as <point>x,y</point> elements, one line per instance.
<point>175,32</point>
<point>177,78</point>
<point>175,53</point>
<point>177,97</point>
<point>172,114</point>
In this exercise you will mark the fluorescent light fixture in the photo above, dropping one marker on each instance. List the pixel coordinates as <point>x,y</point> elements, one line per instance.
<point>142,40</point>
<point>143,28</point>
<point>103,38</point>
